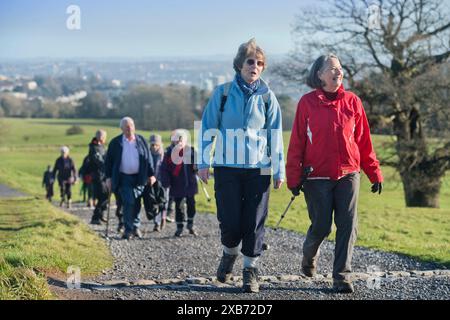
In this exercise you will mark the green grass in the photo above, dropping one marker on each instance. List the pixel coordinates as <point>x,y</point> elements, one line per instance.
<point>384,221</point>
<point>35,239</point>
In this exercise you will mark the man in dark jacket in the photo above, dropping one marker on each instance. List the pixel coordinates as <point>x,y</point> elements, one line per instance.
<point>67,175</point>
<point>96,158</point>
<point>128,171</point>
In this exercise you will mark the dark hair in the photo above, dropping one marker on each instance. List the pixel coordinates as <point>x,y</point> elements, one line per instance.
<point>246,49</point>
<point>313,77</point>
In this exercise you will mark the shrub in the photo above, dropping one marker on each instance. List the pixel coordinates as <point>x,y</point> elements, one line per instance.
<point>73,130</point>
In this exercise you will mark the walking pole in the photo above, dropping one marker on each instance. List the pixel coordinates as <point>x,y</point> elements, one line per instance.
<point>208,198</point>
<point>306,172</point>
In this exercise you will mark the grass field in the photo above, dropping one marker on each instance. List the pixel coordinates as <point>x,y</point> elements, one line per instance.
<point>38,239</point>
<point>28,146</point>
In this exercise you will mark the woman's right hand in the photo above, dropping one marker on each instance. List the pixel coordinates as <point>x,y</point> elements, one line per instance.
<point>204,175</point>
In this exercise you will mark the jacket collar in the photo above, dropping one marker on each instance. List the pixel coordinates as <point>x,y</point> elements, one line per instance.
<point>323,98</point>
<point>262,89</point>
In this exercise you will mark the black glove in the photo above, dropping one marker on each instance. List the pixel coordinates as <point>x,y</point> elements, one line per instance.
<point>296,191</point>
<point>377,187</point>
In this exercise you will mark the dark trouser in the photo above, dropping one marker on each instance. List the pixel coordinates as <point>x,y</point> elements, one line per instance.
<point>170,204</point>
<point>242,197</point>
<point>130,203</point>
<point>179,211</point>
<point>49,189</point>
<point>66,190</point>
<point>101,194</point>
<point>323,197</point>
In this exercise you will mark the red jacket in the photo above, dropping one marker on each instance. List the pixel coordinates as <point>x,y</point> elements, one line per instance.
<point>331,136</point>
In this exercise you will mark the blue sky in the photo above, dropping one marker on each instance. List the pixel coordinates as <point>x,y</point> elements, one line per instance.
<point>138,28</point>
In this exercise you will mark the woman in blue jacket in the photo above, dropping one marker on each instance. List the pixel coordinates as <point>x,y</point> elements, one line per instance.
<point>244,119</point>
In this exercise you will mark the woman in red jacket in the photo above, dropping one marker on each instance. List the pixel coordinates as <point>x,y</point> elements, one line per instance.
<point>331,134</point>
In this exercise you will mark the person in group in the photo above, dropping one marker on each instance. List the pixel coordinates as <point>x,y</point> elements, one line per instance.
<point>243,163</point>
<point>178,173</point>
<point>47,183</point>
<point>128,170</point>
<point>96,156</point>
<point>331,134</point>
<point>170,202</point>
<point>64,170</point>
<point>87,188</point>
<point>155,197</point>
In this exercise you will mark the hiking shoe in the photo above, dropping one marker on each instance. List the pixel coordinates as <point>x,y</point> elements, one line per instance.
<point>178,232</point>
<point>69,204</point>
<point>121,228</point>
<point>192,231</point>
<point>138,233</point>
<point>308,268</point>
<point>343,286</point>
<point>169,219</point>
<point>250,280</point>
<point>127,236</point>
<point>61,203</point>
<point>96,221</point>
<point>156,228</point>
<point>224,272</point>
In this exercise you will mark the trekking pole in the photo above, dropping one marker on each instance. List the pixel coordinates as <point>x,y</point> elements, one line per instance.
<point>306,172</point>
<point>208,198</point>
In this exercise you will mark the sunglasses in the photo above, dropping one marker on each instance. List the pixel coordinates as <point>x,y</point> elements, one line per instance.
<point>251,62</point>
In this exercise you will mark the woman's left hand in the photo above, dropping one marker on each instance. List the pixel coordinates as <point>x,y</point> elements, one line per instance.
<point>277,183</point>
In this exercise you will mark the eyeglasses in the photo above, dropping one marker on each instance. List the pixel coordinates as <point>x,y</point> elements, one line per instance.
<point>251,62</point>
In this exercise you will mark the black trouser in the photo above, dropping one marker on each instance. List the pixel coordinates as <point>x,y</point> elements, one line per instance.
<point>180,214</point>
<point>49,189</point>
<point>66,190</point>
<point>101,194</point>
<point>170,204</point>
<point>324,197</point>
<point>242,197</point>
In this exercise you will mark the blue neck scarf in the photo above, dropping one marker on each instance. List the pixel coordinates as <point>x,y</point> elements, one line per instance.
<point>247,89</point>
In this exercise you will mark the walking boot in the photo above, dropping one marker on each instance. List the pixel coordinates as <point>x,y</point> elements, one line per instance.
<point>179,232</point>
<point>343,286</point>
<point>191,229</point>
<point>250,280</point>
<point>309,267</point>
<point>224,272</point>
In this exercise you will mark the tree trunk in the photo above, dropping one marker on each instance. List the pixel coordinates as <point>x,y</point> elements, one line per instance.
<point>420,175</point>
<point>420,189</point>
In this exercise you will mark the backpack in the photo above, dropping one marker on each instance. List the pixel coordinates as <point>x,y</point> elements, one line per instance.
<point>223,100</point>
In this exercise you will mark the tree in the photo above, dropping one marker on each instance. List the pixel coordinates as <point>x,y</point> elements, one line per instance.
<point>94,105</point>
<point>395,54</point>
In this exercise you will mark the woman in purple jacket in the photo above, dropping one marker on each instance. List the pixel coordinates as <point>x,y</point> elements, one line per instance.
<point>178,172</point>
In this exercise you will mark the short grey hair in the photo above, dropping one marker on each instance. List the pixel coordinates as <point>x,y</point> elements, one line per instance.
<point>245,50</point>
<point>125,120</point>
<point>313,77</point>
<point>100,133</point>
<point>65,149</point>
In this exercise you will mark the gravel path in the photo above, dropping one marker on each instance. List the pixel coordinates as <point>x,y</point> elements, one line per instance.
<point>6,192</point>
<point>160,266</point>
